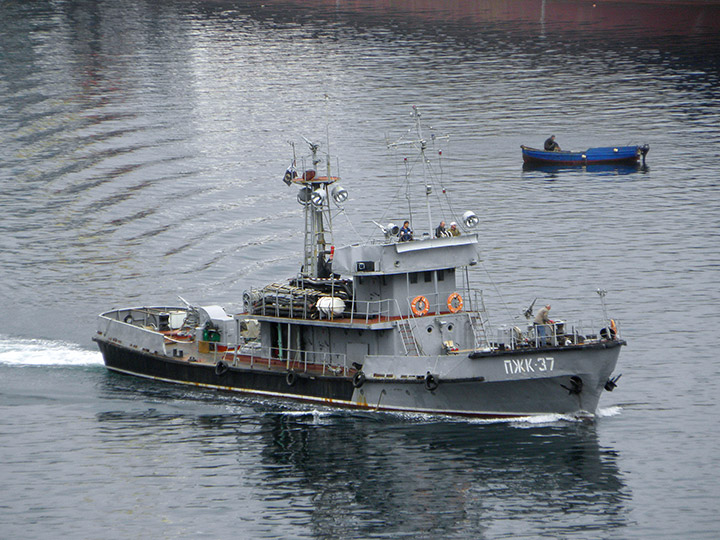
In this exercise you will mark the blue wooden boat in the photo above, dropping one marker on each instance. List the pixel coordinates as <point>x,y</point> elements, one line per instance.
<point>606,154</point>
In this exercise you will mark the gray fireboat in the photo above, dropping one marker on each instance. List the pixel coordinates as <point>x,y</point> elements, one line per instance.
<point>387,325</point>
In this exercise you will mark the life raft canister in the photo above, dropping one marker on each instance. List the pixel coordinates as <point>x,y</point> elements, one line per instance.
<point>420,306</point>
<point>455,302</point>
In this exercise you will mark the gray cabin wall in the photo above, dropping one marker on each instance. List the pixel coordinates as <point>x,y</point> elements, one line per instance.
<point>435,285</point>
<point>367,289</point>
<point>432,332</point>
<point>355,344</point>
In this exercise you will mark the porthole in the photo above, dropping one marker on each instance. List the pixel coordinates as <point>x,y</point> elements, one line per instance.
<point>429,329</point>
<point>450,327</point>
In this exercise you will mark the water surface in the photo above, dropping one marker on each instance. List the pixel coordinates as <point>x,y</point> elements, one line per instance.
<point>143,145</point>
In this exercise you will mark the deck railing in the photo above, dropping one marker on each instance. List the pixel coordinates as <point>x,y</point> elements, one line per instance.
<point>326,363</point>
<point>300,308</point>
<point>557,334</point>
<point>365,310</point>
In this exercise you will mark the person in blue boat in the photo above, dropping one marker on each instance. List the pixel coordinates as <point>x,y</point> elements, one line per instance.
<point>551,145</point>
<point>406,233</point>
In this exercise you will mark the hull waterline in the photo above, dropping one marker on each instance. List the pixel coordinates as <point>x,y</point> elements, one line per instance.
<point>511,394</point>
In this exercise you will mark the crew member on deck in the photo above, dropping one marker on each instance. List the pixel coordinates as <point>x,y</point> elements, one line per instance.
<point>454,231</point>
<point>551,145</point>
<point>406,233</point>
<point>440,230</point>
<point>542,320</point>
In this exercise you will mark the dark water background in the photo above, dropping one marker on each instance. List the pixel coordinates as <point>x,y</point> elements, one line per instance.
<point>141,150</point>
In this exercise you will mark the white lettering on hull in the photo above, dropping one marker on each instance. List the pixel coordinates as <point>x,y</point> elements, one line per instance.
<point>518,366</point>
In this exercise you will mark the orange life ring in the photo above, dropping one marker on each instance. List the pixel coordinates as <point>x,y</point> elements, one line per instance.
<point>454,308</point>
<point>420,311</point>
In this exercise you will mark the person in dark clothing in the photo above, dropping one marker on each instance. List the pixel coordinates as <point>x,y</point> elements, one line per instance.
<point>551,145</point>
<point>406,233</point>
<point>440,230</point>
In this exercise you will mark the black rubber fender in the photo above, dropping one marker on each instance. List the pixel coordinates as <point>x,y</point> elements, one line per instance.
<point>358,379</point>
<point>431,381</point>
<point>221,368</point>
<point>290,378</point>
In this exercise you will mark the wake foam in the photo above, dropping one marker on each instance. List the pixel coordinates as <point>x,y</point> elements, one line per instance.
<point>44,352</point>
<point>609,411</point>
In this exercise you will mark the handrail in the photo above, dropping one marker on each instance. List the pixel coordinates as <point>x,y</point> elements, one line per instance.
<point>295,359</point>
<point>357,309</point>
<point>437,303</point>
<point>556,334</point>
<point>274,304</point>
<point>383,309</point>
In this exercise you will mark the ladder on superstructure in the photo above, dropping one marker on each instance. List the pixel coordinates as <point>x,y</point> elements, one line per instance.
<point>479,324</point>
<point>411,345</point>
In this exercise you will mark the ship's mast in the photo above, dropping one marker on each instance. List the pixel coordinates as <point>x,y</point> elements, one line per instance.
<point>421,144</point>
<point>428,186</point>
<point>315,245</point>
<point>315,194</point>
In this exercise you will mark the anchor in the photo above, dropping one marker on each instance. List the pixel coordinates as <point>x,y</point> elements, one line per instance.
<point>576,385</point>
<point>612,383</point>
